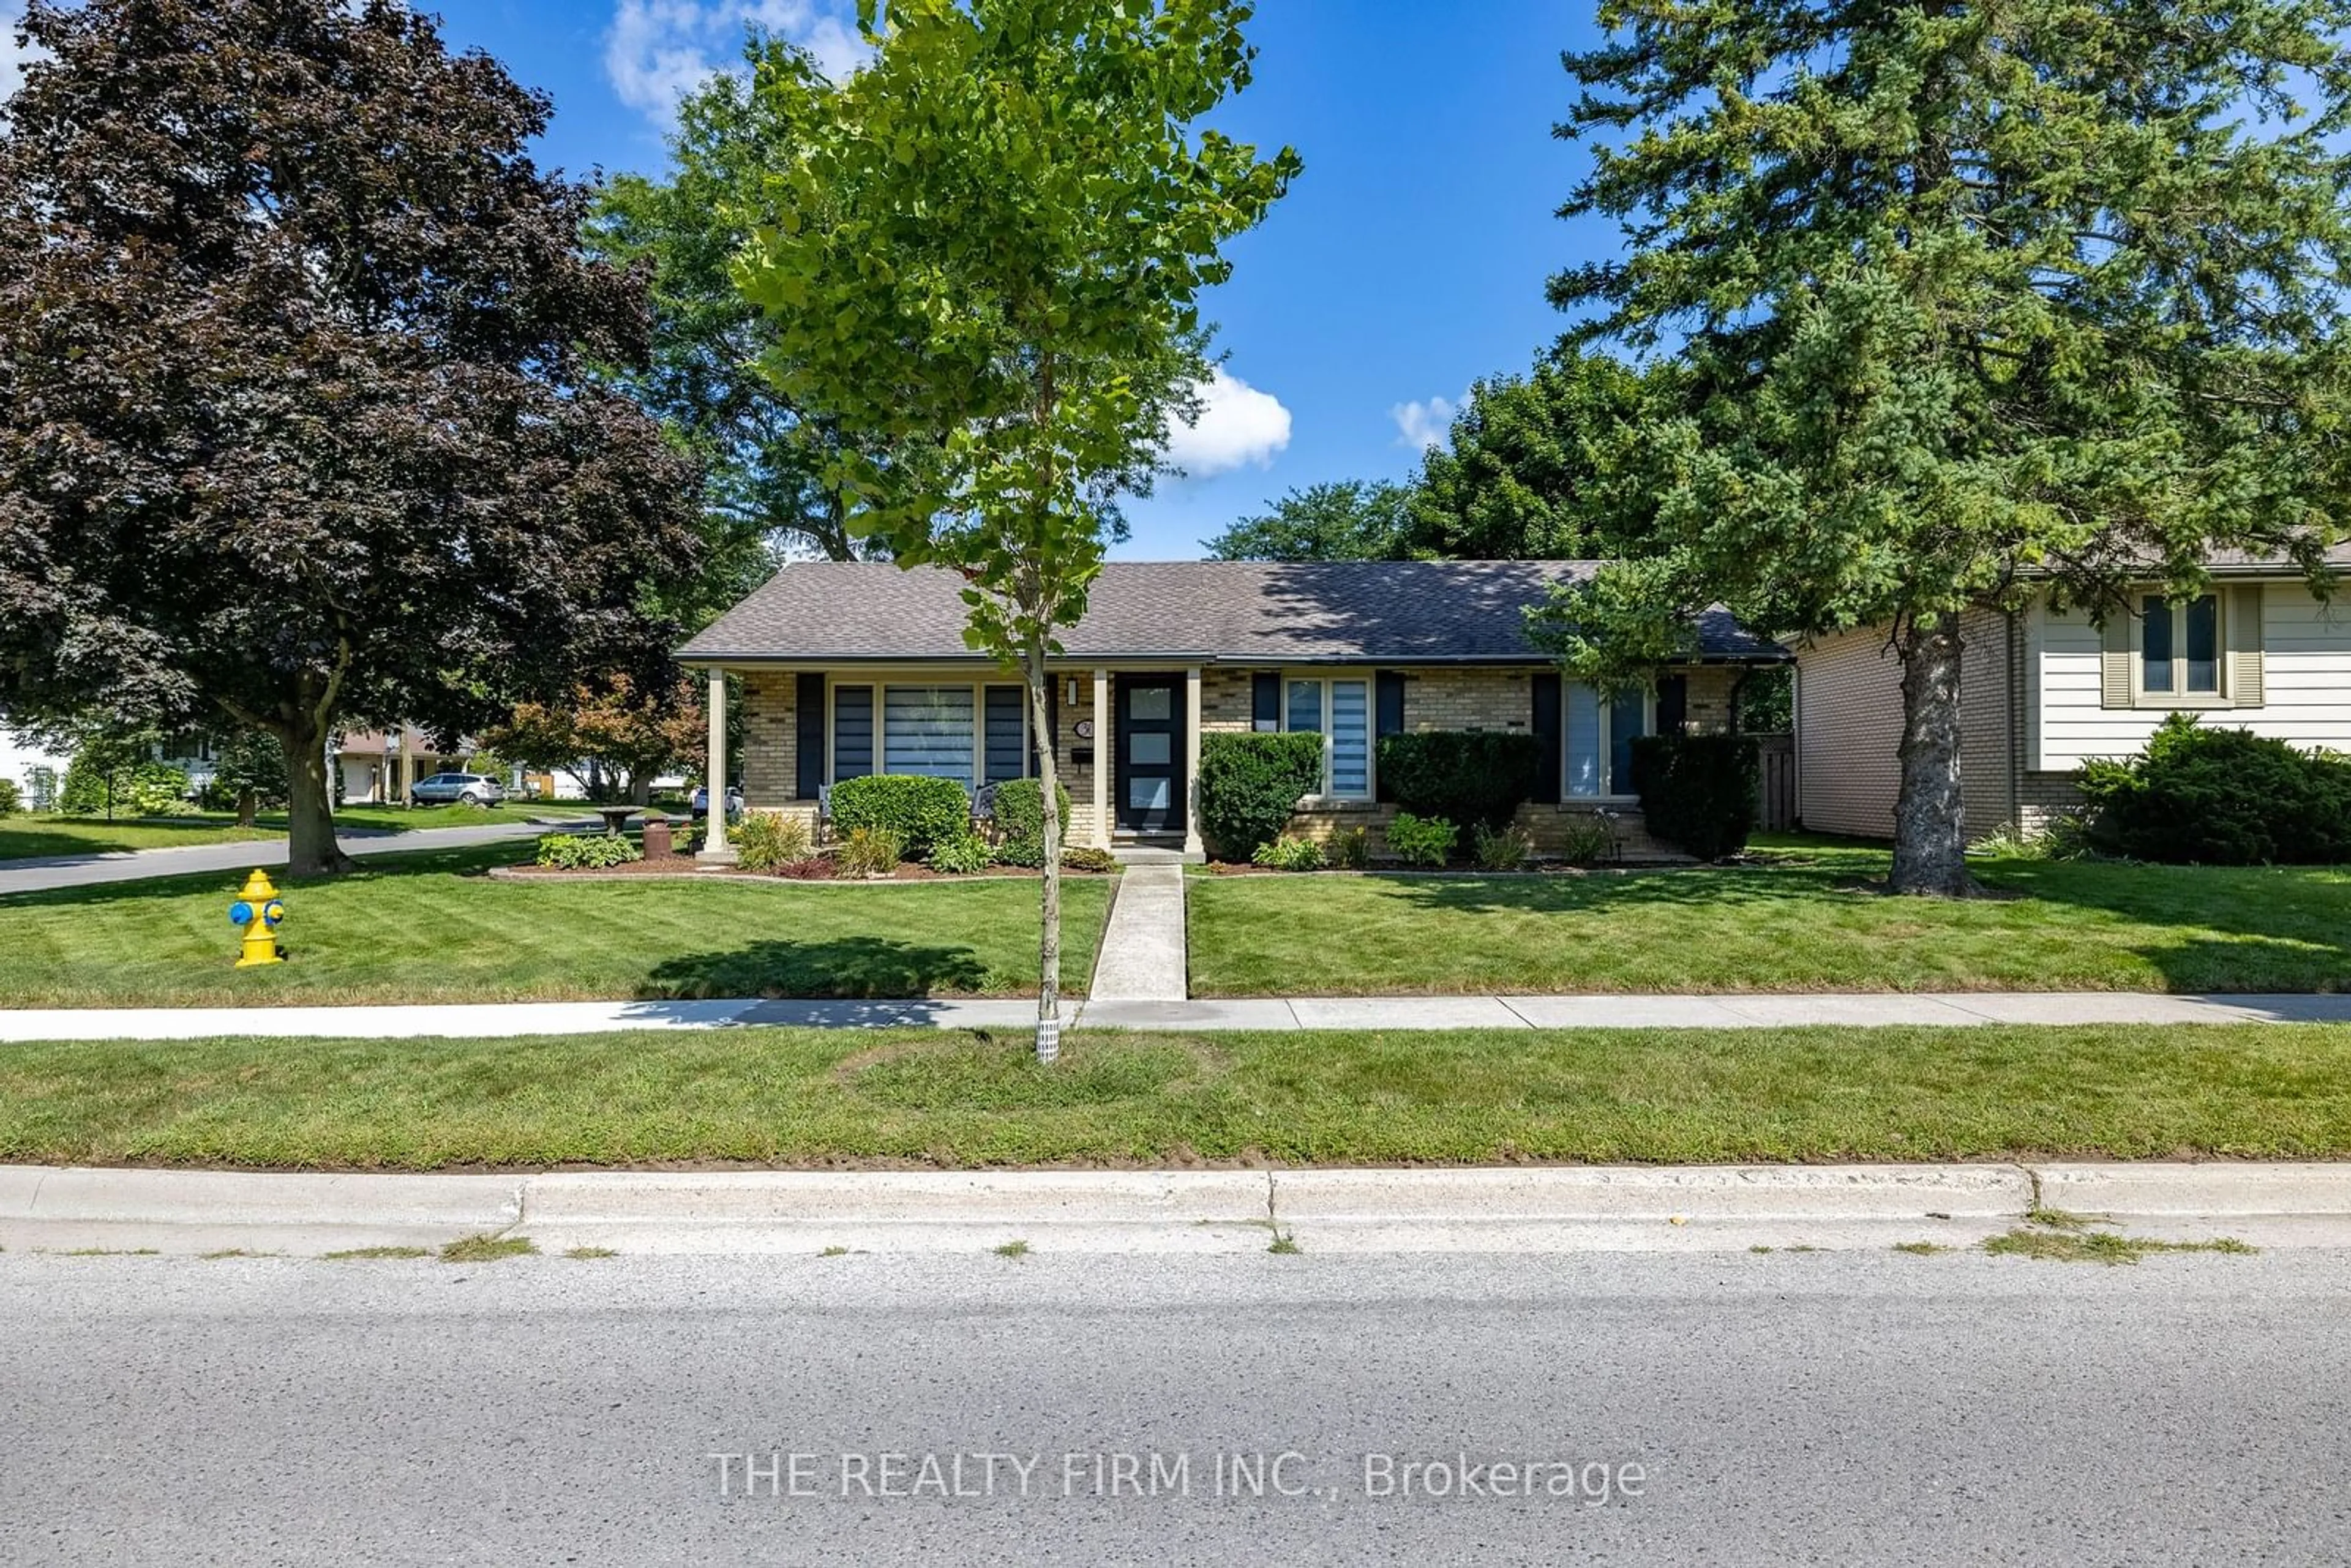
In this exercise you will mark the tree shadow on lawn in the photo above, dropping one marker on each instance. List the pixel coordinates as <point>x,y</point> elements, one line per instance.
<point>852,966</point>
<point>2238,928</point>
<point>459,860</point>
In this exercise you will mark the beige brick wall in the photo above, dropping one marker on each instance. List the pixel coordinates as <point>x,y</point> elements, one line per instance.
<point>771,739</point>
<point>1849,733</point>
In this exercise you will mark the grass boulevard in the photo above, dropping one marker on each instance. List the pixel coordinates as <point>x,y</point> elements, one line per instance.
<point>811,1098</point>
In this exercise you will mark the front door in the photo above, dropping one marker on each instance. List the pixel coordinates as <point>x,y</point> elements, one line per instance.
<point>1150,778</point>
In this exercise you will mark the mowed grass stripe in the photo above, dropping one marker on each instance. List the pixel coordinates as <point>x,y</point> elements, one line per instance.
<point>823,1098</point>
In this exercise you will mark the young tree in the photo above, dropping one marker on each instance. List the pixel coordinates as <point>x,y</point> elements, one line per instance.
<point>296,427</point>
<point>991,242</point>
<point>768,458</point>
<point>1345,522</point>
<point>1979,299</point>
<point>627,739</point>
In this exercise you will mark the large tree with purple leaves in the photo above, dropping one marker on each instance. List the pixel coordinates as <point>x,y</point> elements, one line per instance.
<point>300,417</point>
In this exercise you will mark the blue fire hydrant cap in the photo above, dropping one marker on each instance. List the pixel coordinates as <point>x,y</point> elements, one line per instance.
<point>240,912</point>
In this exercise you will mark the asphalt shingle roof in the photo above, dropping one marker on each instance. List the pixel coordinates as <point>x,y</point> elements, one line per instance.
<point>1253,612</point>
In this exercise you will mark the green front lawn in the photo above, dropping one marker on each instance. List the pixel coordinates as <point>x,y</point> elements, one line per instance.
<point>428,927</point>
<point>1805,920</point>
<point>809,1097</point>
<point>26,837</point>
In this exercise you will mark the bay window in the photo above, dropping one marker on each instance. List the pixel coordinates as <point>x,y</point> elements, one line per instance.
<point>1339,709</point>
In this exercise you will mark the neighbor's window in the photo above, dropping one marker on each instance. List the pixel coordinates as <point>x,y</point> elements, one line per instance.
<point>2179,647</point>
<point>1339,709</point>
<point>1600,730</point>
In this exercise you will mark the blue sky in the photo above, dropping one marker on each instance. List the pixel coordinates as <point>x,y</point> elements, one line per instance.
<point>1406,262</point>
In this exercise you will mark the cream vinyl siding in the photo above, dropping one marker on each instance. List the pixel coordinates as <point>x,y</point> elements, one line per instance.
<point>2305,682</point>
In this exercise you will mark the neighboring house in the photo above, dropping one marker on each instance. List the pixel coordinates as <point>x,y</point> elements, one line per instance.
<point>2044,691</point>
<point>376,767</point>
<point>24,765</point>
<point>852,668</point>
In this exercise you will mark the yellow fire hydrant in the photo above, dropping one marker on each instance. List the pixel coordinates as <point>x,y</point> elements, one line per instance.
<point>257,911</point>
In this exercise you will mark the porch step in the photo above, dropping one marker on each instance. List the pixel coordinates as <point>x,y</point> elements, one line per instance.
<point>1154,854</point>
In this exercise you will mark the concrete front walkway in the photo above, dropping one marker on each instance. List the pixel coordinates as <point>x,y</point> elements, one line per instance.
<point>498,1020</point>
<point>1143,957</point>
<point>43,872</point>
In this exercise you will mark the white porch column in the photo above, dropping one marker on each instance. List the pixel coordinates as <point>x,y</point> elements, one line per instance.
<point>1103,756</point>
<point>715,846</point>
<point>1192,761</point>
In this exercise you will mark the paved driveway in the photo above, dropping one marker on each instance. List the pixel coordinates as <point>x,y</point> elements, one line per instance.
<point>41,873</point>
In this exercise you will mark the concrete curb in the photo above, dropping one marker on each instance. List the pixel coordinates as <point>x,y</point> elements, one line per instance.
<point>1524,1209</point>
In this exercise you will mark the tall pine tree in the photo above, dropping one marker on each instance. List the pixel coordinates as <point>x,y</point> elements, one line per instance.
<point>1982,300</point>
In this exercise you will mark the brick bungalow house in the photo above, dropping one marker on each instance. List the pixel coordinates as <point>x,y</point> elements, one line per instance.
<point>2044,691</point>
<point>850,668</point>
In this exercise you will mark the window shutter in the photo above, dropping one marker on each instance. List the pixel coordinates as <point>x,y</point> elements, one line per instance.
<point>1548,740</point>
<point>2115,662</point>
<point>809,710</point>
<point>1388,717</point>
<point>1265,702</point>
<point>2245,645</point>
<point>1673,704</point>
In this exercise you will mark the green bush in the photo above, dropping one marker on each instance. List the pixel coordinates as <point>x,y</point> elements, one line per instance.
<point>919,810</point>
<point>765,841</point>
<point>11,800</point>
<point>1287,853</point>
<point>870,852</point>
<point>962,855</point>
<point>1351,851</point>
<point>1086,857</point>
<point>587,851</point>
<point>1421,841</point>
<point>2221,797</point>
<point>1698,790</point>
<point>1461,775</point>
<point>1021,820</point>
<point>1503,848</point>
<point>1249,785</point>
<point>139,789</point>
<point>1586,838</point>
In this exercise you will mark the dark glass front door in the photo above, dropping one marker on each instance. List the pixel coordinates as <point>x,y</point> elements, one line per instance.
<point>1149,783</point>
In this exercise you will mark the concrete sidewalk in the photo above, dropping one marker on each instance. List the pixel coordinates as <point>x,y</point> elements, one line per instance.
<point>493,1021</point>
<point>42,873</point>
<point>1142,957</point>
<point>1519,1210</point>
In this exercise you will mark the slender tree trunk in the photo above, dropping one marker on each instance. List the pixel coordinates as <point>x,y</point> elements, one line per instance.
<point>310,848</point>
<point>246,805</point>
<point>1049,775</point>
<point>1929,823</point>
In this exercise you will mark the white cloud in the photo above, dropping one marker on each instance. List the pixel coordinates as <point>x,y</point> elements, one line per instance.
<point>657,51</point>
<point>1421,425</point>
<point>1239,425</point>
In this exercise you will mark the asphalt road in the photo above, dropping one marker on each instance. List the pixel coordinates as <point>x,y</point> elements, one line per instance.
<point>1850,1408</point>
<point>43,873</point>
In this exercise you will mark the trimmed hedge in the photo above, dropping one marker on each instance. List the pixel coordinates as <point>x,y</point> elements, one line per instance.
<point>1698,790</point>
<point>1469,777</point>
<point>587,851</point>
<point>918,810</point>
<point>2221,797</point>
<point>1021,820</point>
<point>1249,785</point>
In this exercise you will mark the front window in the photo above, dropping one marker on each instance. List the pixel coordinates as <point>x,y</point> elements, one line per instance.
<point>1600,731</point>
<point>974,734</point>
<point>1339,709</point>
<point>2179,647</point>
<point>926,730</point>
